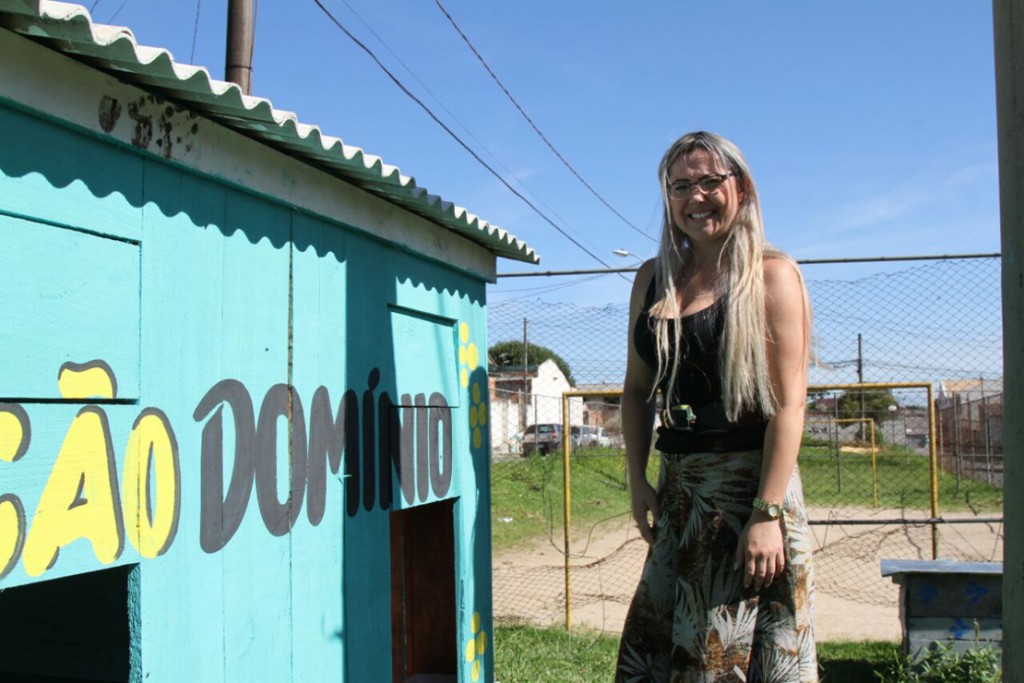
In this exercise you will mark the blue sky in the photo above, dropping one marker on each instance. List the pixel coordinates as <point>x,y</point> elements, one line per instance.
<point>870,126</point>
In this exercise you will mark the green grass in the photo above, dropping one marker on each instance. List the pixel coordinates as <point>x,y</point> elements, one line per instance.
<point>525,654</point>
<point>903,482</point>
<point>855,662</point>
<point>527,499</point>
<point>522,499</point>
<point>527,492</point>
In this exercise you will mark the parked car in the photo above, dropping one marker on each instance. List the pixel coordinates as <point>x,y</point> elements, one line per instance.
<point>599,437</point>
<point>588,436</point>
<point>542,438</point>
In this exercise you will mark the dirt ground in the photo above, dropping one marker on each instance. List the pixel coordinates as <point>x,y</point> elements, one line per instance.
<point>852,602</point>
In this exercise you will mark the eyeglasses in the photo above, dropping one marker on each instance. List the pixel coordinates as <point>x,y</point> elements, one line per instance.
<point>682,189</point>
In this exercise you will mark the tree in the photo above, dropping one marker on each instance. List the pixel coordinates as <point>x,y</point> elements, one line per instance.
<point>510,353</point>
<point>876,405</point>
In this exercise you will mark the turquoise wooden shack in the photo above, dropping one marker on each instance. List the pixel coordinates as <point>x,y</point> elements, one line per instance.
<point>243,404</point>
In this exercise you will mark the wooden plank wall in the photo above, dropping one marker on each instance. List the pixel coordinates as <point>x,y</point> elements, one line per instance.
<point>248,391</point>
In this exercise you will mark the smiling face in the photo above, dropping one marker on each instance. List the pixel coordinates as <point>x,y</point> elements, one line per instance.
<point>705,218</point>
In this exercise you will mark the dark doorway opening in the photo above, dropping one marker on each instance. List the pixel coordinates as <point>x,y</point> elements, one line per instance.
<point>68,630</point>
<point>423,593</point>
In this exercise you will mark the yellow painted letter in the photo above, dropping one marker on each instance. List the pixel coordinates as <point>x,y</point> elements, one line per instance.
<point>12,532</point>
<point>152,456</point>
<point>80,499</point>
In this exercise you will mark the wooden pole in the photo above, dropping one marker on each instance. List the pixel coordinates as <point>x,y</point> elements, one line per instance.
<point>241,33</point>
<point>1008,25</point>
<point>860,379</point>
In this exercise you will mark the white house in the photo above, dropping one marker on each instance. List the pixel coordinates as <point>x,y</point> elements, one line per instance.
<point>522,397</point>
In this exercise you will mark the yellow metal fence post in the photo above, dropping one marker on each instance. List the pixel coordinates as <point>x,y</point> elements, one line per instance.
<point>934,460</point>
<point>567,488</point>
<point>566,501</point>
<point>874,464</point>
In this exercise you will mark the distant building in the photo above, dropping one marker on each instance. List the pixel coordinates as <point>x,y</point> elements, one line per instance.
<point>522,397</point>
<point>603,411</point>
<point>823,403</point>
<point>967,390</point>
<point>969,427</point>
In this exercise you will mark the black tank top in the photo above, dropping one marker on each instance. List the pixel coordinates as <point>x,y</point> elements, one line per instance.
<point>698,384</point>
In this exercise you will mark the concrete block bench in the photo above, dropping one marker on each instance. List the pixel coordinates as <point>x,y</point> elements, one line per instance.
<point>946,601</point>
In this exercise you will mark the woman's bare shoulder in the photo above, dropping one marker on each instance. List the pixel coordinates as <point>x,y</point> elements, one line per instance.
<point>785,293</point>
<point>646,270</point>
<point>781,271</point>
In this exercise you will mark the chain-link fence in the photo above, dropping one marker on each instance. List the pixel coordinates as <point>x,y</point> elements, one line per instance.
<point>970,433</point>
<point>865,462</point>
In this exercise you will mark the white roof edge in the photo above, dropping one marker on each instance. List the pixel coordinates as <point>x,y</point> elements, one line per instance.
<point>69,29</point>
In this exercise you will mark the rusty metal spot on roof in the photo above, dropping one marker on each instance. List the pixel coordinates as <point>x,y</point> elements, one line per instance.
<point>110,112</point>
<point>160,126</point>
<point>142,134</point>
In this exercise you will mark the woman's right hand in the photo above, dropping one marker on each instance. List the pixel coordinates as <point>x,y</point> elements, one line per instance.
<point>645,499</point>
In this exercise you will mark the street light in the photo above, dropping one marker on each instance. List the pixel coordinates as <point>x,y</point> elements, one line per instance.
<point>624,253</point>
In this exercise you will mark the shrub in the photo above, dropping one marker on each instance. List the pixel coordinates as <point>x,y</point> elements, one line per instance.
<point>943,664</point>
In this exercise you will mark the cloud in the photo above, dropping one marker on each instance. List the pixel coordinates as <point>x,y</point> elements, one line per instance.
<point>918,201</point>
<point>988,172</point>
<point>882,207</point>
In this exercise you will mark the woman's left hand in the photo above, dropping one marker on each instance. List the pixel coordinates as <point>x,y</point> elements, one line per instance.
<point>760,553</point>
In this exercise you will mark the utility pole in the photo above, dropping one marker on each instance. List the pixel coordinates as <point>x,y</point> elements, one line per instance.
<point>860,362</point>
<point>241,34</point>
<point>526,382</point>
<point>860,380</point>
<point>1008,24</point>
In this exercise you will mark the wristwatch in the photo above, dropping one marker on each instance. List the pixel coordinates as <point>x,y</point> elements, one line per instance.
<point>773,510</point>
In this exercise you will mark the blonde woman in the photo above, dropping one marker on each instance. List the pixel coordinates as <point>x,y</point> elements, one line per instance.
<point>719,323</point>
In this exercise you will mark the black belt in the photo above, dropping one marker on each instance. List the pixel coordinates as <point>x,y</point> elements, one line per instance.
<point>687,428</point>
<point>739,438</point>
<point>686,417</point>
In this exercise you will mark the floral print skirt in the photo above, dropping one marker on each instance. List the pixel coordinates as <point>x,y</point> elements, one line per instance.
<point>691,619</point>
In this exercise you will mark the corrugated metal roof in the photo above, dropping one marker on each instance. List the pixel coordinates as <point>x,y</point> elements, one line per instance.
<point>68,28</point>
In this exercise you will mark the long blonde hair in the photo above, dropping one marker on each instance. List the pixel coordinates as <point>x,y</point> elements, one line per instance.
<point>743,361</point>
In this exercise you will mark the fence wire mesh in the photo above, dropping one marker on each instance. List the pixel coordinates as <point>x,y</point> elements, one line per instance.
<point>865,460</point>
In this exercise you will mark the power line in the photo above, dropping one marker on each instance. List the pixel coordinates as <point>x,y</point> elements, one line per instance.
<point>534,291</point>
<point>452,114</point>
<point>927,368</point>
<point>252,43</point>
<point>452,133</point>
<point>534,125</point>
<point>118,11</point>
<point>195,32</point>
